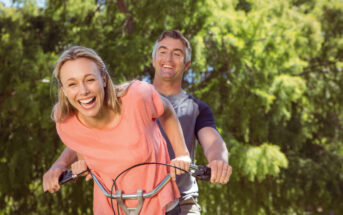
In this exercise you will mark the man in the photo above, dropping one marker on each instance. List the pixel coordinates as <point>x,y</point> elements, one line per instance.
<point>171,57</point>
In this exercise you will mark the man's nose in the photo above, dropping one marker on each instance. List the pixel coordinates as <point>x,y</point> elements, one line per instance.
<point>169,57</point>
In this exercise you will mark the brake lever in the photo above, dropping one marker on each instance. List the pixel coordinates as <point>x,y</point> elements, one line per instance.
<point>201,172</point>
<point>66,176</point>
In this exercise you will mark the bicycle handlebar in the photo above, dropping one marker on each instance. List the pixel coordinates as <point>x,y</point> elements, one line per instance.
<point>199,171</point>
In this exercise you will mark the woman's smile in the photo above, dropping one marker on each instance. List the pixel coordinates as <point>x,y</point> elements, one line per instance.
<point>88,103</point>
<point>83,85</point>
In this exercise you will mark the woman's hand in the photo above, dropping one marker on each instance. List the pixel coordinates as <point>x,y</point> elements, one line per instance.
<point>50,179</point>
<point>181,162</point>
<point>79,167</point>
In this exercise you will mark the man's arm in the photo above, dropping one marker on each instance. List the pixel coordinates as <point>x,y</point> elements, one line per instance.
<point>173,130</point>
<point>50,178</point>
<point>216,153</point>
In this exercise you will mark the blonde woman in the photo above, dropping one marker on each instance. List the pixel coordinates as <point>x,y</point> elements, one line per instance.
<point>113,128</point>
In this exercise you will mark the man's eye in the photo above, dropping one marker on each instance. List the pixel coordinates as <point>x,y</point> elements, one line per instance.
<point>90,80</point>
<point>177,54</point>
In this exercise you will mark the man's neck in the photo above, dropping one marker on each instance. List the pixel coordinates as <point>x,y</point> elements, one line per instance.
<point>167,88</point>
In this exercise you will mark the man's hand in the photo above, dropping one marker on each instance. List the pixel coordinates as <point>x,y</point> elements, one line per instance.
<point>50,179</point>
<point>181,162</point>
<point>220,171</point>
<point>79,167</point>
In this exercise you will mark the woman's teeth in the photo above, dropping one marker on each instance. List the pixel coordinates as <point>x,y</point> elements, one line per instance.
<point>86,101</point>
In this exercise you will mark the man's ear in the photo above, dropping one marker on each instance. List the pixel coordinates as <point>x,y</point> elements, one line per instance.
<point>153,62</point>
<point>188,65</point>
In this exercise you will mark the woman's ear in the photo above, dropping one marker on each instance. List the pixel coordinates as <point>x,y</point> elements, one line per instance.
<point>104,79</point>
<point>63,91</point>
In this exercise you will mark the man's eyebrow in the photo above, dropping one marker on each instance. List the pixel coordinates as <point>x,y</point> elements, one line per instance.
<point>162,47</point>
<point>176,49</point>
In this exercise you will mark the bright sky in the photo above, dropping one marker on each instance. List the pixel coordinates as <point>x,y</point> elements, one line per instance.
<point>8,3</point>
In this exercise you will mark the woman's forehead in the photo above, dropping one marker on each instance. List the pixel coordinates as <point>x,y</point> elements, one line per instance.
<point>78,68</point>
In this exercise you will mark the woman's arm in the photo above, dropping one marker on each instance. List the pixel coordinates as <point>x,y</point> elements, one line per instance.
<point>81,166</point>
<point>50,178</point>
<point>173,130</point>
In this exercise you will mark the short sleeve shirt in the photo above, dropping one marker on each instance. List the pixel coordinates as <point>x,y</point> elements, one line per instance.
<point>135,139</point>
<point>193,115</point>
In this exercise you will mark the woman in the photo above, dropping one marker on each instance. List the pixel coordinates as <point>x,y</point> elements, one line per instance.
<point>113,128</point>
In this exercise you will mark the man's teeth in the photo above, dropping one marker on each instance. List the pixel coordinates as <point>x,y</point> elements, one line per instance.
<point>86,101</point>
<point>166,66</point>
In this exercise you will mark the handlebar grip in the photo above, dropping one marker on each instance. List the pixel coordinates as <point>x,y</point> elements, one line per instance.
<point>202,172</point>
<point>65,177</point>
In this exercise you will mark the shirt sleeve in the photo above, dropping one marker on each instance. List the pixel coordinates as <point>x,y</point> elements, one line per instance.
<point>205,117</point>
<point>151,99</point>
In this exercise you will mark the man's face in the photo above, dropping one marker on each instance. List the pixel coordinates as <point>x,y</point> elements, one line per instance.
<point>169,62</point>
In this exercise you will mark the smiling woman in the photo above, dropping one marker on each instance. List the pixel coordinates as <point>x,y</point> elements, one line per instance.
<point>83,82</point>
<point>114,127</point>
<point>84,87</point>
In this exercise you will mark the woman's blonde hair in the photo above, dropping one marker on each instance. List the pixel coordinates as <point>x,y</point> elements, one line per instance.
<point>62,109</point>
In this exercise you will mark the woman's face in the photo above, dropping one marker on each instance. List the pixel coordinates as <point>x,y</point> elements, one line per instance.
<point>83,85</point>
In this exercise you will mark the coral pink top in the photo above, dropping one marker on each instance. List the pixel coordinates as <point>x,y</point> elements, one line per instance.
<point>134,140</point>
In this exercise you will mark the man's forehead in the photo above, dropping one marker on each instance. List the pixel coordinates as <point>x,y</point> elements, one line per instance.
<point>171,43</point>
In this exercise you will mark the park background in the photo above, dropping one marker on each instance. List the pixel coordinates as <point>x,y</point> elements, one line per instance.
<point>271,70</point>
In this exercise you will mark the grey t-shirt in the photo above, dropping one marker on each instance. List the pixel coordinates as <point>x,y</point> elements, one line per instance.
<point>193,115</point>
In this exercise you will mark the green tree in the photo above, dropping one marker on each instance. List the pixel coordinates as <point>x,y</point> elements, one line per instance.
<point>271,71</point>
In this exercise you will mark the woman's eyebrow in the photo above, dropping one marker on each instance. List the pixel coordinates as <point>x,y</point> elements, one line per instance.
<point>73,78</point>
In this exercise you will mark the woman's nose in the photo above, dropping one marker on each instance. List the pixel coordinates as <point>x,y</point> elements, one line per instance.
<point>83,89</point>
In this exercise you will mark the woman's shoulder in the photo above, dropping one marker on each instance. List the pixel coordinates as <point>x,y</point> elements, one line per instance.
<point>122,89</point>
<point>68,121</point>
<point>137,87</point>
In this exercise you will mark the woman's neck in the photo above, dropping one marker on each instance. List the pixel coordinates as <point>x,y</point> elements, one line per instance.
<point>106,119</point>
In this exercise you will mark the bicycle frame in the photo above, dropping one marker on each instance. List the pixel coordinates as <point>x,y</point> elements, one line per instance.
<point>139,195</point>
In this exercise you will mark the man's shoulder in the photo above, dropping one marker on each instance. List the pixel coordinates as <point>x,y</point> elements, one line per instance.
<point>200,104</point>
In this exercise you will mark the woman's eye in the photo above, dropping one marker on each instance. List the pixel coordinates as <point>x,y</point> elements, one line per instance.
<point>71,85</point>
<point>90,80</point>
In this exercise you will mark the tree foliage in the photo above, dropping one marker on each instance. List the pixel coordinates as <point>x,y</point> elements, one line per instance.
<point>271,71</point>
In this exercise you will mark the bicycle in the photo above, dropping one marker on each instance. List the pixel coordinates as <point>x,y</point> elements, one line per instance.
<point>199,171</point>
